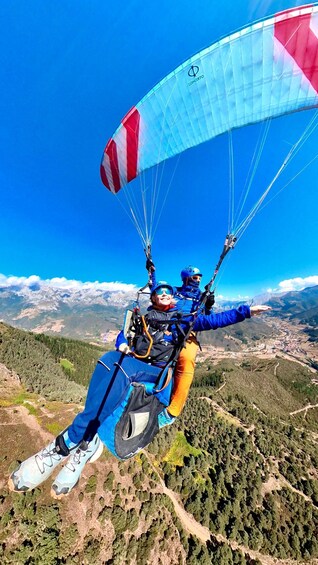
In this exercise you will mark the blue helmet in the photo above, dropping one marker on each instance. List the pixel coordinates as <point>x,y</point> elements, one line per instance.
<point>162,284</point>
<point>190,272</point>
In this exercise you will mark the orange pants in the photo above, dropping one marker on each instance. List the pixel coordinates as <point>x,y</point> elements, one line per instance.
<point>183,376</point>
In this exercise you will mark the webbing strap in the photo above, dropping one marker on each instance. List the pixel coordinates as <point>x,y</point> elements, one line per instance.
<point>150,341</point>
<point>167,381</point>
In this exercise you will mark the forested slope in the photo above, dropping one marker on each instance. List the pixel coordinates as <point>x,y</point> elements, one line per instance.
<point>242,460</point>
<point>54,367</point>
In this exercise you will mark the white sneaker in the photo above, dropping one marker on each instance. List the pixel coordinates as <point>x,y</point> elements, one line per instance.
<point>36,469</point>
<point>69,476</point>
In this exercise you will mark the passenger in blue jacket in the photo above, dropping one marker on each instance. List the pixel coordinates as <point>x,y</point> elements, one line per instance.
<point>80,443</point>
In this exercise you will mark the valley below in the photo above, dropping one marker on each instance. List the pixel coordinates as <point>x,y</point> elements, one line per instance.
<point>286,340</point>
<point>234,481</point>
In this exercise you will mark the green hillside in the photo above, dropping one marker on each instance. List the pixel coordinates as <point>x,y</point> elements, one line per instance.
<point>242,461</point>
<point>233,337</point>
<point>56,368</point>
<point>77,358</point>
<point>273,386</point>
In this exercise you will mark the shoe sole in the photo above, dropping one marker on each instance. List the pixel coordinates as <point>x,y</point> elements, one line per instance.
<point>94,457</point>
<point>13,488</point>
<point>61,495</point>
<point>97,453</point>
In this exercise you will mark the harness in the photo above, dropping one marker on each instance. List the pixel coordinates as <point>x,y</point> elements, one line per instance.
<point>151,344</point>
<point>229,244</point>
<point>156,335</point>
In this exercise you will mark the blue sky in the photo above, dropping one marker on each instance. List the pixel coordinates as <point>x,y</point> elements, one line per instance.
<point>69,73</point>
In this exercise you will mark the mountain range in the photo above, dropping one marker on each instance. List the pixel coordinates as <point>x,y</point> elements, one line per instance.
<point>84,311</point>
<point>93,312</point>
<point>297,307</point>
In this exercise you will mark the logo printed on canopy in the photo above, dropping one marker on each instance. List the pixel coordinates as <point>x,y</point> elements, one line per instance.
<point>193,71</point>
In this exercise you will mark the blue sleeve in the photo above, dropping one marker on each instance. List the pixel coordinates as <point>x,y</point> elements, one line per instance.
<point>221,319</point>
<point>153,280</point>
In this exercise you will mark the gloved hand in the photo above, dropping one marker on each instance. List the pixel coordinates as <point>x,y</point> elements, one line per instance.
<point>209,301</point>
<point>124,348</point>
<point>122,343</point>
<point>150,265</point>
<point>165,419</point>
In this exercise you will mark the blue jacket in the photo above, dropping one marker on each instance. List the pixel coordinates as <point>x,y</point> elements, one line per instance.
<point>213,321</point>
<point>187,296</point>
<point>168,328</point>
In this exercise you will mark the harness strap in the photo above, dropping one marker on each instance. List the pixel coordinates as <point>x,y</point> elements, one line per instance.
<point>167,380</point>
<point>150,341</point>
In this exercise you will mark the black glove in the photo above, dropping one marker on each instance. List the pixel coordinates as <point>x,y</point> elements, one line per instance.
<point>150,265</point>
<point>209,301</point>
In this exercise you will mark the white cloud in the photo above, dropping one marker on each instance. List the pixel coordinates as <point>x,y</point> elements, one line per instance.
<point>63,283</point>
<point>298,283</point>
<point>234,298</point>
<point>19,281</point>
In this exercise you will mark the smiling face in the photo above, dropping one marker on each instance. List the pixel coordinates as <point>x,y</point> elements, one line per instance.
<point>162,298</point>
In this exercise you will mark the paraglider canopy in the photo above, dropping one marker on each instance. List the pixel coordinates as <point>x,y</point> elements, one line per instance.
<point>265,70</point>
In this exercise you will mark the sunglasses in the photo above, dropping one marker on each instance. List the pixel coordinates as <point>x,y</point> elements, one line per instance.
<point>196,277</point>
<point>163,290</point>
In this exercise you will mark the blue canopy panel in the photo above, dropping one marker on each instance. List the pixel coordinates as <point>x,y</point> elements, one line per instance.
<point>265,70</point>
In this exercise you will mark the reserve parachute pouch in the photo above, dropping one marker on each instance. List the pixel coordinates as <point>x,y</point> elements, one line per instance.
<point>134,422</point>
